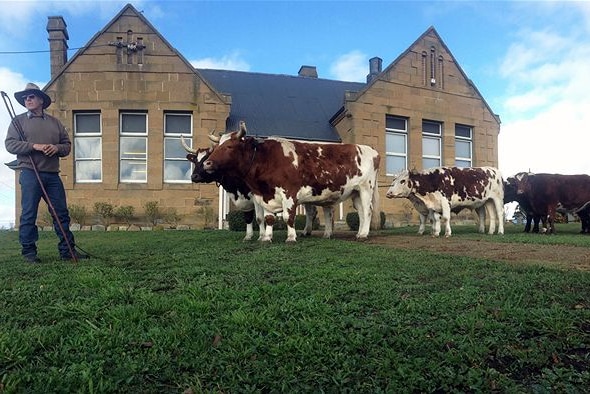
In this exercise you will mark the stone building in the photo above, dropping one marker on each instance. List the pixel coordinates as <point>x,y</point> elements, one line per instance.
<point>128,95</point>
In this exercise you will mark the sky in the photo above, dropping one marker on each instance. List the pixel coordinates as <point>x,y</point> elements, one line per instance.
<point>529,60</point>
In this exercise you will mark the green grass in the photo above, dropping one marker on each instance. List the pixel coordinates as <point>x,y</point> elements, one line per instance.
<point>201,311</point>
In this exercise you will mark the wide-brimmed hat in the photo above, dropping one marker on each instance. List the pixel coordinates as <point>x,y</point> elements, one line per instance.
<point>31,88</point>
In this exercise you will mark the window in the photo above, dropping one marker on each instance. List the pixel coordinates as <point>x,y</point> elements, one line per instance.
<point>87,147</point>
<point>396,144</point>
<point>463,143</point>
<point>431,144</point>
<point>176,167</point>
<point>133,147</point>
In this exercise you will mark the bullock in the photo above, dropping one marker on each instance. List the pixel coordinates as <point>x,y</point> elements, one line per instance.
<point>551,192</point>
<point>283,174</point>
<point>237,190</point>
<point>510,195</point>
<point>425,214</point>
<point>446,189</point>
<point>239,193</point>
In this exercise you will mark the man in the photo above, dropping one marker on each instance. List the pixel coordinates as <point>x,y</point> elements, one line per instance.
<point>45,140</point>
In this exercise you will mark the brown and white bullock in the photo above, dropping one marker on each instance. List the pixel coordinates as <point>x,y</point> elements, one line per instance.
<point>283,174</point>
<point>433,217</point>
<point>239,193</point>
<point>552,192</point>
<point>446,189</point>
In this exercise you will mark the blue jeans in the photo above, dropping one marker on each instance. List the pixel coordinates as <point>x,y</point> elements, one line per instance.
<point>31,195</point>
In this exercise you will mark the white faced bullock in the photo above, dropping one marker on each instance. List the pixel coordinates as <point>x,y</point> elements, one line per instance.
<point>283,174</point>
<point>446,189</point>
<point>553,192</point>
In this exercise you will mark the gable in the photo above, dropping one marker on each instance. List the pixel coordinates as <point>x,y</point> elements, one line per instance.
<point>429,65</point>
<point>129,43</point>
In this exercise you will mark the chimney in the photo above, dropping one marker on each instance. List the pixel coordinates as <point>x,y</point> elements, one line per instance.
<point>308,71</point>
<point>58,43</point>
<point>375,64</point>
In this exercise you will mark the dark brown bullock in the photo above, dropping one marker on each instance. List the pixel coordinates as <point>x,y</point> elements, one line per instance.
<point>548,192</point>
<point>283,174</point>
<point>510,195</point>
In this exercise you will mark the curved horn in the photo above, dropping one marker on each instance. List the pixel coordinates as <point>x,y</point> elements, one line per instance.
<point>242,131</point>
<point>214,138</point>
<point>186,147</point>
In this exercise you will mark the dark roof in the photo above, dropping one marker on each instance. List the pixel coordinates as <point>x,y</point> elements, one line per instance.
<point>282,105</point>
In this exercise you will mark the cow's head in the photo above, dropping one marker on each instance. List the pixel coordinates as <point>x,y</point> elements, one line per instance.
<point>197,157</point>
<point>400,187</point>
<point>522,182</point>
<point>510,189</point>
<point>231,153</point>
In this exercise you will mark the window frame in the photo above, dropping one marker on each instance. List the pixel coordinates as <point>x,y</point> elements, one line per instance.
<point>427,135</point>
<point>80,136</point>
<point>171,136</point>
<point>459,138</point>
<point>127,135</point>
<point>396,132</point>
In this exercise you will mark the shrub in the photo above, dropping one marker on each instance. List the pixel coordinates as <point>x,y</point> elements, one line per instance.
<point>236,222</point>
<point>208,216</point>
<point>78,213</point>
<point>172,217</point>
<point>152,211</point>
<point>45,219</point>
<point>125,213</point>
<point>300,222</point>
<point>352,220</point>
<point>104,211</point>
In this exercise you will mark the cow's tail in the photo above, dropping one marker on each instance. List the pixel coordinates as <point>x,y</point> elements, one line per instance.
<point>376,213</point>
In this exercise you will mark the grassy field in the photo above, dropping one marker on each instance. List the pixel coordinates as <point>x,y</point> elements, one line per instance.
<point>201,311</point>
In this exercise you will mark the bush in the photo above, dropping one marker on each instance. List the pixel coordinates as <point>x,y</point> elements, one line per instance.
<point>208,216</point>
<point>236,222</point>
<point>124,213</point>
<point>104,211</point>
<point>352,220</point>
<point>300,222</point>
<point>78,214</point>
<point>152,211</point>
<point>172,217</point>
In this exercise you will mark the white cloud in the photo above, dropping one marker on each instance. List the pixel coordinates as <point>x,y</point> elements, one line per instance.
<point>233,61</point>
<point>352,66</point>
<point>545,113</point>
<point>17,15</point>
<point>11,82</point>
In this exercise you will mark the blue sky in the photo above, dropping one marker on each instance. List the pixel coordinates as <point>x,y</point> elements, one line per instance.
<point>530,60</point>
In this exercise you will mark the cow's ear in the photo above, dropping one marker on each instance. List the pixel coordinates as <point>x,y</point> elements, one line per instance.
<point>191,157</point>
